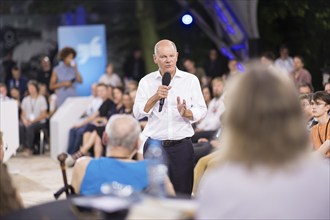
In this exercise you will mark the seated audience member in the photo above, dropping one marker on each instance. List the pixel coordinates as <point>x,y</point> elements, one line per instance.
<point>122,137</point>
<point>43,90</point>
<point>132,93</point>
<point>18,81</point>
<point>95,103</point>
<point>110,92</point>
<point>95,136</point>
<point>118,99</point>
<point>284,62</point>
<point>299,74</point>
<point>199,72</point>
<point>327,87</point>
<point>9,198</point>
<point>305,102</point>
<point>143,121</point>
<point>110,78</point>
<point>76,132</point>
<point>305,88</point>
<point>269,172</point>
<point>208,126</point>
<point>207,95</point>
<point>3,92</point>
<point>45,71</point>
<point>127,104</point>
<point>320,108</point>
<point>96,124</point>
<point>131,85</point>
<point>33,117</point>
<point>233,69</point>
<point>14,94</point>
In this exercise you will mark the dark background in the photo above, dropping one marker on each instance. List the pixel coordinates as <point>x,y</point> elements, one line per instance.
<point>303,25</point>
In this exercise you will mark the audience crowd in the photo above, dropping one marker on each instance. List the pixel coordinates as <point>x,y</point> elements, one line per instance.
<point>258,152</point>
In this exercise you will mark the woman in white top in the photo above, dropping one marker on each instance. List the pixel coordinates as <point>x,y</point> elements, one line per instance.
<point>33,116</point>
<point>110,78</point>
<point>267,171</point>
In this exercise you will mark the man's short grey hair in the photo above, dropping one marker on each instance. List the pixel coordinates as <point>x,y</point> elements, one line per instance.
<point>157,45</point>
<point>122,130</point>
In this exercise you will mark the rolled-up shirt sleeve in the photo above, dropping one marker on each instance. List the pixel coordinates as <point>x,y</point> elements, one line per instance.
<point>141,100</point>
<point>198,108</point>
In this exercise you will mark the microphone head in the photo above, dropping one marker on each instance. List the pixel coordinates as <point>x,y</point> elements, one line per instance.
<point>166,79</point>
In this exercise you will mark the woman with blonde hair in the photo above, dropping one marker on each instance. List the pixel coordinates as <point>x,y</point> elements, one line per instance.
<point>269,172</point>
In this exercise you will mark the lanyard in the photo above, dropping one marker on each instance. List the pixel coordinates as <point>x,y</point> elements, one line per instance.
<point>33,105</point>
<point>326,131</point>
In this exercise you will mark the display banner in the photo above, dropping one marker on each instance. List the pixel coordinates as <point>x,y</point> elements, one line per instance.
<point>90,43</point>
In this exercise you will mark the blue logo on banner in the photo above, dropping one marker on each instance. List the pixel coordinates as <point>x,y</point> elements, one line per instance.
<point>90,43</point>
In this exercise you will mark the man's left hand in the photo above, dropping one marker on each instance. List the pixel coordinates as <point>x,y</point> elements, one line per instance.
<point>182,107</point>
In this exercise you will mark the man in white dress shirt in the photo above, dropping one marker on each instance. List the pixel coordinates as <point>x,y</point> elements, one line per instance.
<point>184,104</point>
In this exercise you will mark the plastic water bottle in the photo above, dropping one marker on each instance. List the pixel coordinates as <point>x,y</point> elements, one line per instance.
<point>157,169</point>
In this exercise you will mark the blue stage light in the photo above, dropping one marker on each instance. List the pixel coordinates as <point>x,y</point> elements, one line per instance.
<point>240,67</point>
<point>187,19</point>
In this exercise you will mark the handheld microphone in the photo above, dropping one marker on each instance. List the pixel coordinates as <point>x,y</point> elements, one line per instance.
<point>165,82</point>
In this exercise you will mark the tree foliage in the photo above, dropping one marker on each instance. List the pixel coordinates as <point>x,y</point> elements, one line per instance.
<point>303,25</point>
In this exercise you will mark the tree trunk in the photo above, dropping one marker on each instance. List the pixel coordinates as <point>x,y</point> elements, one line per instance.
<point>148,31</point>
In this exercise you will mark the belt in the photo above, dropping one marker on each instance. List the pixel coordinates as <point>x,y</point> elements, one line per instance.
<point>168,143</point>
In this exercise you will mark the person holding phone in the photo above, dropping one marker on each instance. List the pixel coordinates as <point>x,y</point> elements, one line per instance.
<point>65,75</point>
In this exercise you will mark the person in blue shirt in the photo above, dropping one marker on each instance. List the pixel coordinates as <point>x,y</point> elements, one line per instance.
<point>122,140</point>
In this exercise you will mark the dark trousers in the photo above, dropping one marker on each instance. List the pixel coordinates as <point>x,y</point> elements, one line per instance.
<point>201,149</point>
<point>180,160</point>
<point>28,134</point>
<point>203,134</point>
<point>75,139</point>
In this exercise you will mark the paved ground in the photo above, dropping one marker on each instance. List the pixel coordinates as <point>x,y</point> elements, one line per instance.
<point>36,178</point>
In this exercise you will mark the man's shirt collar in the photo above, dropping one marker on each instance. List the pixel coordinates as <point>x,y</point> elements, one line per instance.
<point>178,73</point>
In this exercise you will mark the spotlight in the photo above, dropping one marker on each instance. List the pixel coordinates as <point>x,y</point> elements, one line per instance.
<point>187,19</point>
